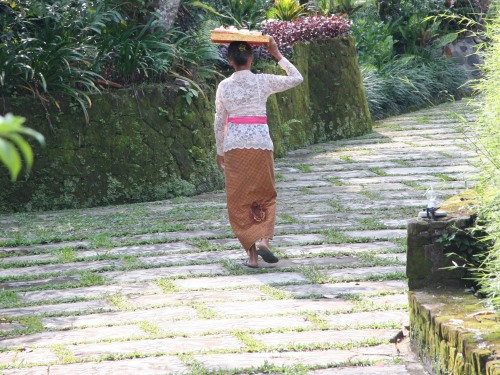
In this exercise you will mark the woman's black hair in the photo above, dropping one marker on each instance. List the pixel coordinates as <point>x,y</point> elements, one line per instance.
<point>240,52</point>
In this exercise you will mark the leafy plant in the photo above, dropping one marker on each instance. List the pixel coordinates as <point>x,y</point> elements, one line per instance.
<point>467,245</point>
<point>323,7</point>
<point>305,29</point>
<point>13,146</point>
<point>461,24</point>
<point>246,13</point>
<point>49,49</point>
<point>242,13</point>
<point>196,54</point>
<point>472,9</point>
<point>76,48</point>
<point>390,10</point>
<point>286,10</point>
<point>374,42</point>
<point>348,7</point>
<point>189,94</point>
<point>487,142</point>
<point>418,36</point>
<point>129,54</point>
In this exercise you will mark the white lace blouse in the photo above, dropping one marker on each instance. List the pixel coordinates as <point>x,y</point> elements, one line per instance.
<point>245,94</point>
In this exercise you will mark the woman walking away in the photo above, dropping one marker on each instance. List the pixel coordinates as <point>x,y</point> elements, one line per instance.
<point>245,149</point>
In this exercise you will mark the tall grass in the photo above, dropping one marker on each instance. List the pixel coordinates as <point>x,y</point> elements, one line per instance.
<point>411,82</point>
<point>487,130</point>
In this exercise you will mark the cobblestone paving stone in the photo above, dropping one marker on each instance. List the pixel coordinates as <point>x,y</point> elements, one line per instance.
<point>159,288</point>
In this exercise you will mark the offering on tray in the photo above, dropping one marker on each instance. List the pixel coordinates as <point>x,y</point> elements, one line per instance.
<point>224,35</point>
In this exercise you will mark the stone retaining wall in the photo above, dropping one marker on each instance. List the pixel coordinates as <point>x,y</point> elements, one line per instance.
<point>426,259</point>
<point>454,333</point>
<point>151,143</point>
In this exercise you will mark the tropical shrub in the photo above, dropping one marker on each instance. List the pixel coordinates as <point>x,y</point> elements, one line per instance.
<point>390,10</point>
<point>196,55</point>
<point>326,7</point>
<point>348,7</point>
<point>242,13</point>
<point>129,54</point>
<point>305,29</point>
<point>75,48</point>
<point>286,10</point>
<point>412,24</point>
<point>323,7</point>
<point>374,41</point>
<point>475,9</point>
<point>246,13</point>
<point>47,48</point>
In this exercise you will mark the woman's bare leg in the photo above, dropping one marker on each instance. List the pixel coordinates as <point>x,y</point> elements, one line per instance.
<point>264,243</point>
<point>252,256</point>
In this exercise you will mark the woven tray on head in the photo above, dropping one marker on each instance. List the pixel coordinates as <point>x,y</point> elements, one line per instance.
<point>225,38</point>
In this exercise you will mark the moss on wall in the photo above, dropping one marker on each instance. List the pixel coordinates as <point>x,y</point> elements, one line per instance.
<point>141,144</point>
<point>147,143</point>
<point>454,333</point>
<point>330,103</point>
<point>338,105</point>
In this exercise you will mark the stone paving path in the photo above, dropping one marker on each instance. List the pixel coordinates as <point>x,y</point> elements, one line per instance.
<point>159,288</point>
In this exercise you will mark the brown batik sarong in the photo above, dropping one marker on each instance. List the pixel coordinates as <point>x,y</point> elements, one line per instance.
<point>251,195</point>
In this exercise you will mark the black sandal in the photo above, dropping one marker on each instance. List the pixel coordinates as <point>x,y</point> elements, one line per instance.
<point>267,255</point>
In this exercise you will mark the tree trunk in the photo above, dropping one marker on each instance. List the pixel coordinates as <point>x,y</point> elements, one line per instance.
<point>168,10</point>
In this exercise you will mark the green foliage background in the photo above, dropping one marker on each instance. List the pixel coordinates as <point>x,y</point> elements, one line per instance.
<point>487,130</point>
<point>54,48</point>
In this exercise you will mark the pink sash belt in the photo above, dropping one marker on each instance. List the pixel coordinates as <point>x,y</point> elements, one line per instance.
<point>248,120</point>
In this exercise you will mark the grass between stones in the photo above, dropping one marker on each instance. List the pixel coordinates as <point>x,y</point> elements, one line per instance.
<point>401,162</point>
<point>203,311</point>
<point>304,168</point>
<point>335,181</point>
<point>151,329</point>
<point>346,158</point>
<point>378,171</point>
<point>446,155</point>
<point>275,293</point>
<point>286,219</point>
<point>8,298</point>
<point>197,367</point>
<point>64,354</point>
<point>306,191</point>
<point>415,185</point>
<point>318,149</point>
<point>278,177</point>
<point>167,286</point>
<point>317,319</point>
<point>371,223</point>
<point>444,177</point>
<point>75,239</point>
<point>65,255</point>
<point>371,194</point>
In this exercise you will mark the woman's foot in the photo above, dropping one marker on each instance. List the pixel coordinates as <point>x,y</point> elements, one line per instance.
<point>253,260</point>
<point>265,252</point>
